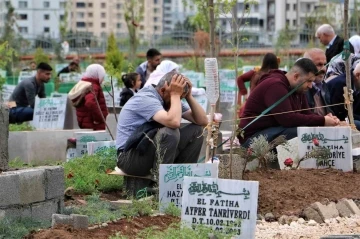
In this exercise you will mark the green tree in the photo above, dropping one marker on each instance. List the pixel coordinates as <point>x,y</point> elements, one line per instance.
<point>40,56</point>
<point>6,55</point>
<point>114,59</point>
<point>134,10</point>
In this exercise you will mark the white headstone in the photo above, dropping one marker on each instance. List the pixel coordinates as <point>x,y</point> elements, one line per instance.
<point>228,206</point>
<point>70,77</point>
<point>94,147</point>
<point>337,139</point>
<point>197,78</point>
<point>227,86</point>
<point>49,113</point>
<point>289,150</point>
<point>23,75</point>
<point>171,177</point>
<point>59,95</point>
<point>7,90</point>
<point>82,138</point>
<point>2,73</point>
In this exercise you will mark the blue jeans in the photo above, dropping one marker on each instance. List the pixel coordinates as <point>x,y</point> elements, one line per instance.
<point>357,124</point>
<point>18,115</point>
<point>272,133</point>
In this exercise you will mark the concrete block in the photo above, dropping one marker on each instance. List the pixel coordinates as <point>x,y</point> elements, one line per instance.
<point>326,212</point>
<point>352,206</point>
<point>31,185</point>
<point>54,181</point>
<point>59,219</point>
<point>16,212</point>
<point>9,189</point>
<point>311,214</point>
<point>343,209</point>
<point>237,166</point>
<point>44,210</point>
<point>40,145</point>
<point>80,221</point>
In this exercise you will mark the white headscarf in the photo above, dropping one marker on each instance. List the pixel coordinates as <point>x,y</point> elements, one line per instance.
<point>355,41</point>
<point>95,71</point>
<point>165,67</point>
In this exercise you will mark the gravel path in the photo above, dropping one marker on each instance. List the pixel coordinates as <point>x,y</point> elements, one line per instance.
<point>308,230</point>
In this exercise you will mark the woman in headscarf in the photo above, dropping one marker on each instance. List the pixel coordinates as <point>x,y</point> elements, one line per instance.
<point>88,114</point>
<point>165,67</point>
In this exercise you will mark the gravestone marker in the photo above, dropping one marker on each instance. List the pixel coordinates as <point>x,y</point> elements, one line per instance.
<point>94,147</point>
<point>171,177</point>
<point>82,138</point>
<point>25,75</point>
<point>69,77</point>
<point>227,86</point>
<point>289,150</point>
<point>7,90</point>
<point>337,139</point>
<point>49,113</point>
<point>228,206</point>
<point>59,95</point>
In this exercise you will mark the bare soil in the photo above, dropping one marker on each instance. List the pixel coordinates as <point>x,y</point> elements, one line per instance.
<point>281,192</point>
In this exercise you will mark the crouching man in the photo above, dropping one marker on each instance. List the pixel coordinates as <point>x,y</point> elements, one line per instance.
<point>155,113</point>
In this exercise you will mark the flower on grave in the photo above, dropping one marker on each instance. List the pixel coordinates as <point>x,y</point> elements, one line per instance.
<point>288,162</point>
<point>70,175</point>
<point>316,141</point>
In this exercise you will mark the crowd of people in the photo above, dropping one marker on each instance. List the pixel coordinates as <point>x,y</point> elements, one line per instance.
<point>156,97</point>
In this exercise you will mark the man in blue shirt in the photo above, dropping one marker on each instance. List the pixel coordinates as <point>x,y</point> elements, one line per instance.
<point>149,130</point>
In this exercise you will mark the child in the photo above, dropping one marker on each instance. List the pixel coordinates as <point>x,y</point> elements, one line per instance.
<point>132,83</point>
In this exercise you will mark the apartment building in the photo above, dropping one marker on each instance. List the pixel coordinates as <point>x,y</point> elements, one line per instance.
<point>36,18</point>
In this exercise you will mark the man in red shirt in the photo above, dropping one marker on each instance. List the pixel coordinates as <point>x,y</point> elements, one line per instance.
<point>286,115</point>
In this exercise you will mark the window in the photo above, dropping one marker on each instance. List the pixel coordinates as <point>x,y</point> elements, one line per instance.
<point>62,17</point>
<point>119,16</point>
<point>46,4</point>
<point>23,4</point>
<point>118,6</point>
<point>155,19</point>
<point>155,28</point>
<point>167,22</point>
<point>62,4</point>
<point>80,24</point>
<point>90,4</point>
<point>7,4</point>
<point>308,7</point>
<point>287,22</point>
<point>46,29</point>
<point>156,1</point>
<point>295,7</point>
<point>155,10</point>
<point>80,5</point>
<point>167,1</point>
<point>46,17</point>
<point>22,17</point>
<point>80,15</point>
<point>118,25</point>
<point>90,14</point>
<point>103,24</point>
<point>103,5</point>
<point>90,24</point>
<point>287,7</point>
<point>168,15</point>
<point>23,29</point>
<point>103,15</point>
<point>294,22</point>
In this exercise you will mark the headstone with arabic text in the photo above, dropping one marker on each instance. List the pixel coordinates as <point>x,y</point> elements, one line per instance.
<point>227,81</point>
<point>336,139</point>
<point>23,75</point>
<point>69,77</point>
<point>49,113</point>
<point>94,147</point>
<point>82,138</point>
<point>171,178</point>
<point>228,206</point>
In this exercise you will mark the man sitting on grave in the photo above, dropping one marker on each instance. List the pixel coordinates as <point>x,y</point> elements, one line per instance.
<point>22,100</point>
<point>72,67</point>
<point>148,129</point>
<point>336,88</point>
<point>286,115</point>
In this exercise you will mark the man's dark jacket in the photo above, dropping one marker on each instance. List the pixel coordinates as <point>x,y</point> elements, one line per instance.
<point>336,48</point>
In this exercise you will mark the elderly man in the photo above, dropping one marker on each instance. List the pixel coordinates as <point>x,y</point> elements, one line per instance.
<point>290,113</point>
<point>149,130</point>
<point>153,59</point>
<point>22,100</point>
<point>72,67</point>
<point>336,86</point>
<point>318,96</point>
<point>334,44</point>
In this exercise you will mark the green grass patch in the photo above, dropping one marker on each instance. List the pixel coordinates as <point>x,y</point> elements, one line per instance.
<point>21,127</point>
<point>17,228</point>
<point>88,174</point>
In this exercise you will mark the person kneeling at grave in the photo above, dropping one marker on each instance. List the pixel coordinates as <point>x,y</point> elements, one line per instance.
<point>149,132</point>
<point>22,100</point>
<point>286,115</point>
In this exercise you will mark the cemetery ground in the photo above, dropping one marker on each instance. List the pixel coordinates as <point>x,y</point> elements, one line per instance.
<point>90,191</point>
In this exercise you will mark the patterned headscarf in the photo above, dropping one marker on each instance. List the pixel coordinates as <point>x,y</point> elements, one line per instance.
<point>337,66</point>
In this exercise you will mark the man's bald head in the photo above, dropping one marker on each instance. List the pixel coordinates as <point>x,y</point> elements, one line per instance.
<point>317,56</point>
